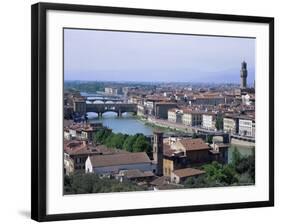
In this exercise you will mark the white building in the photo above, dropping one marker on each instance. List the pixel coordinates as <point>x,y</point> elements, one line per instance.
<point>247,127</point>
<point>209,121</point>
<point>112,90</point>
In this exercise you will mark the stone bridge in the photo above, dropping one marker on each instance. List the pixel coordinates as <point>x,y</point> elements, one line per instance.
<point>105,100</point>
<point>204,132</point>
<point>82,108</point>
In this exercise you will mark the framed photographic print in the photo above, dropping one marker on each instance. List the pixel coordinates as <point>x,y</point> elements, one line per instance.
<point>139,111</point>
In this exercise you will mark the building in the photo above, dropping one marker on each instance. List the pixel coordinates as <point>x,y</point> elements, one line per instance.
<point>158,152</point>
<point>247,126</point>
<point>230,124</point>
<point>219,152</point>
<point>192,118</point>
<point>68,164</point>
<point>135,175</point>
<point>78,151</point>
<point>79,106</point>
<point>213,100</point>
<point>82,131</point>
<point>183,153</point>
<point>175,115</point>
<point>112,90</point>
<point>243,75</point>
<point>161,109</point>
<point>164,183</point>
<point>181,175</point>
<point>114,163</point>
<point>209,121</point>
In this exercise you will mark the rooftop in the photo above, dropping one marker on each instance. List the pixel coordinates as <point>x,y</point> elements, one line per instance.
<point>119,159</point>
<point>194,144</point>
<point>137,173</point>
<point>188,172</point>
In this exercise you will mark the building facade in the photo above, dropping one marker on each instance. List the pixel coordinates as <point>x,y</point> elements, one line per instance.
<point>247,127</point>
<point>230,124</point>
<point>192,118</point>
<point>209,121</point>
<point>175,115</point>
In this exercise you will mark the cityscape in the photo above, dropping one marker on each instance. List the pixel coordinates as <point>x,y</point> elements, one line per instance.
<point>150,133</point>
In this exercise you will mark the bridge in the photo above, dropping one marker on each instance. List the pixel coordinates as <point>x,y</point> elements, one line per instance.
<point>82,107</point>
<point>104,100</point>
<point>201,131</point>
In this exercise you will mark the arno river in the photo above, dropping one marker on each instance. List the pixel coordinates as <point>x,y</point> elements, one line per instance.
<point>130,125</point>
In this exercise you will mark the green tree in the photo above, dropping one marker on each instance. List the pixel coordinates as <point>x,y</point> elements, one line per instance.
<point>210,139</point>
<point>129,142</point>
<point>141,144</point>
<point>194,135</point>
<point>236,157</point>
<point>219,123</point>
<point>81,183</point>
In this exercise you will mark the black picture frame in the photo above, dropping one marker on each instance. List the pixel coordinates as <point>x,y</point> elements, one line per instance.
<point>38,108</point>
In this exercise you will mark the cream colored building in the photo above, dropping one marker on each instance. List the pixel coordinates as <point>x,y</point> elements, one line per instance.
<point>192,118</point>
<point>208,121</point>
<point>175,115</point>
<point>230,125</point>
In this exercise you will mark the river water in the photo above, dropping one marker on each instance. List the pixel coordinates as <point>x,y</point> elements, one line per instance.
<point>130,125</point>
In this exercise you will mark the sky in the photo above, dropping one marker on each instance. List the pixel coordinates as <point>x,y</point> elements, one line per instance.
<point>96,55</point>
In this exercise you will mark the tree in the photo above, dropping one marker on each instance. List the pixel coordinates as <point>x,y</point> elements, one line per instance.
<point>217,173</point>
<point>101,135</point>
<point>82,183</point>
<point>210,139</point>
<point>219,123</point>
<point>129,142</point>
<point>229,175</point>
<point>141,144</point>
<point>236,157</point>
<point>194,135</point>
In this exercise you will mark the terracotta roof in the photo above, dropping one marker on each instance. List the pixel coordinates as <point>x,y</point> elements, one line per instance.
<point>74,148</point>
<point>119,159</point>
<point>188,172</point>
<point>194,144</point>
<point>160,181</point>
<point>137,173</point>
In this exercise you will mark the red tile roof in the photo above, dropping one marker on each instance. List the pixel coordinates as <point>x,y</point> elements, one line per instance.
<point>194,144</point>
<point>119,159</point>
<point>188,172</point>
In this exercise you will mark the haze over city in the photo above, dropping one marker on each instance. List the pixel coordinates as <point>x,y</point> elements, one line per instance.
<point>131,56</point>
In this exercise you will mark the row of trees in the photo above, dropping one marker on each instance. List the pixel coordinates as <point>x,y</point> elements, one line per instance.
<point>90,87</point>
<point>241,171</point>
<point>131,143</point>
<point>82,183</point>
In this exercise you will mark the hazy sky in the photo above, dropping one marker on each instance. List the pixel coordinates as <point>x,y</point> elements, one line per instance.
<point>131,56</point>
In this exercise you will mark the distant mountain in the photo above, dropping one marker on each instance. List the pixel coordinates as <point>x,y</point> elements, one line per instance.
<point>227,76</point>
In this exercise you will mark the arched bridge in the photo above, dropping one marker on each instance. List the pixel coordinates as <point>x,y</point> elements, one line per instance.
<point>82,108</point>
<point>205,132</point>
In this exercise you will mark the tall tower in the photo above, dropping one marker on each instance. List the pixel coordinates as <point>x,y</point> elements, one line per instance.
<point>158,151</point>
<point>243,75</point>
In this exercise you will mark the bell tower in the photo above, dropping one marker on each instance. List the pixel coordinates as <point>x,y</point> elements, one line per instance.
<point>158,151</point>
<point>243,75</point>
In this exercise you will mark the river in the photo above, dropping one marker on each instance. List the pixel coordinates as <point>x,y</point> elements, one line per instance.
<point>130,125</point>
